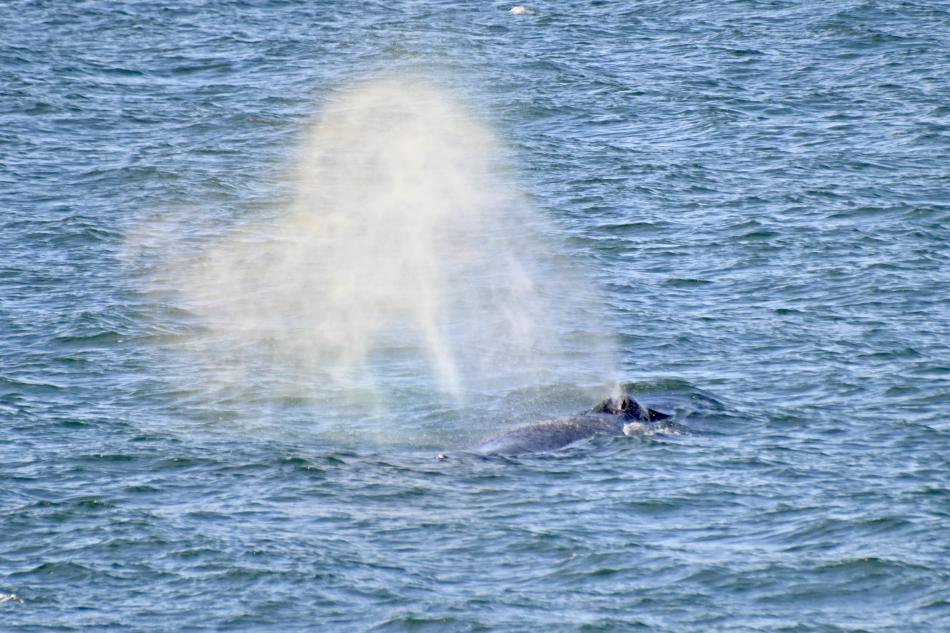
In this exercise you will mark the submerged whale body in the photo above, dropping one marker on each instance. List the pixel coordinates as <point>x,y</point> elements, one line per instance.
<point>610,417</point>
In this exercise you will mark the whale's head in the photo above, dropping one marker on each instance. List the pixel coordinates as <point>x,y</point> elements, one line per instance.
<point>624,405</point>
<point>629,409</point>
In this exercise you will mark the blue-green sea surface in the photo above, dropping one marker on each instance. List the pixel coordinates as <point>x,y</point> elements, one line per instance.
<point>738,210</point>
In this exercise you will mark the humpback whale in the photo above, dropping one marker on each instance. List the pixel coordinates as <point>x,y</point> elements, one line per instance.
<point>609,416</point>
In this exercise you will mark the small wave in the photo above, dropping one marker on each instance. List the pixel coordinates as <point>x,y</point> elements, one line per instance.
<point>682,282</point>
<point>416,622</point>
<point>105,337</point>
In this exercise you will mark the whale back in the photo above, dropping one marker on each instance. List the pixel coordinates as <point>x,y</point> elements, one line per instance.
<point>550,435</point>
<point>609,416</point>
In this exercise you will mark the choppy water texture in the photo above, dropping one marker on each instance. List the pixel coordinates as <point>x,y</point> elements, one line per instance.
<point>755,193</point>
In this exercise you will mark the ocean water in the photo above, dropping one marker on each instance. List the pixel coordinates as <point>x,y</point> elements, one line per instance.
<point>262,260</point>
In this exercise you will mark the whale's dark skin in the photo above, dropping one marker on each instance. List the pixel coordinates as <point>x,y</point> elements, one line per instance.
<point>608,417</point>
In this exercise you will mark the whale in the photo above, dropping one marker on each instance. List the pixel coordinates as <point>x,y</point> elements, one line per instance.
<point>611,416</point>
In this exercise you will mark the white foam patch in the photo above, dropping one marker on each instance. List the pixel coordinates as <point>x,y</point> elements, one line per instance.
<point>648,429</point>
<point>522,10</point>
